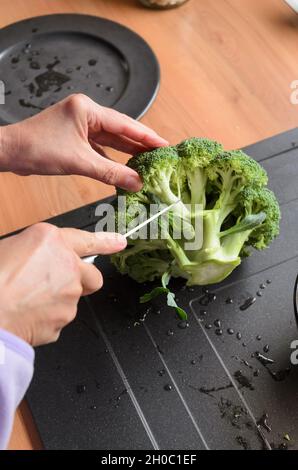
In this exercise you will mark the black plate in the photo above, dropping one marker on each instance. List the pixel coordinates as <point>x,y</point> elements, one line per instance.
<point>46,58</point>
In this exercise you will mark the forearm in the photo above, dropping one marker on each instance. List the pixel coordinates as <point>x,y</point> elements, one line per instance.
<point>9,142</point>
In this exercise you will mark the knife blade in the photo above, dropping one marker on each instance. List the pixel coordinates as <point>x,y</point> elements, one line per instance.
<point>91,259</point>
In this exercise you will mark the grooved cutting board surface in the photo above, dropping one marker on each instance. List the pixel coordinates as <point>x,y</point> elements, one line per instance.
<point>115,382</point>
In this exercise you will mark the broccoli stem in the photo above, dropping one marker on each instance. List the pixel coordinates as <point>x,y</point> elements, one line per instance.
<point>197,184</point>
<point>232,244</point>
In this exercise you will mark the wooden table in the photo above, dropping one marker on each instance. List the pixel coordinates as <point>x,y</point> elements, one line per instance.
<point>226,70</point>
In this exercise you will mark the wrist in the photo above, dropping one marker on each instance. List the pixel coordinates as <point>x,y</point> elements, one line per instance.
<point>8,321</point>
<point>12,329</point>
<point>9,144</point>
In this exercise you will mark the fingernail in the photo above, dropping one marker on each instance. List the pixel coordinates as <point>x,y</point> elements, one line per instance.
<point>163,141</point>
<point>160,139</point>
<point>120,239</point>
<point>133,183</point>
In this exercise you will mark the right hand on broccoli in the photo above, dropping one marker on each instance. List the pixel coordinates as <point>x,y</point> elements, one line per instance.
<point>42,278</point>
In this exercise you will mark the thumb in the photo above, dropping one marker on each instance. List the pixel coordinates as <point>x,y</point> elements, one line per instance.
<point>90,243</point>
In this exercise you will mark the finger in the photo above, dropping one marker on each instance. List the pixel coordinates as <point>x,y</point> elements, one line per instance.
<point>108,171</point>
<point>118,142</point>
<point>117,123</point>
<point>98,243</point>
<point>98,148</point>
<point>91,278</point>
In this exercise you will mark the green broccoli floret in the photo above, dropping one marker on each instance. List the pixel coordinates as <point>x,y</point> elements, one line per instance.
<point>163,182</point>
<point>196,154</point>
<point>261,200</point>
<point>236,209</point>
<point>158,171</point>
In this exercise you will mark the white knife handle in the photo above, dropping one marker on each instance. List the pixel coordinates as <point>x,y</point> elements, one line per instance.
<point>89,259</point>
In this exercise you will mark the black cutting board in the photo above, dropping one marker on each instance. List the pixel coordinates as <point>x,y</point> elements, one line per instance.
<point>46,58</point>
<point>113,381</point>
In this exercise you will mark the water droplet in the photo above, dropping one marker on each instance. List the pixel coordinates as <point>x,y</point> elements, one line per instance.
<point>248,303</point>
<point>230,331</point>
<point>34,65</point>
<point>81,388</point>
<point>239,335</point>
<point>193,362</point>
<point>268,281</point>
<point>258,338</point>
<point>263,359</point>
<point>262,286</point>
<point>244,345</point>
<point>207,298</point>
<point>170,333</point>
<point>27,48</point>
<point>208,326</point>
<point>183,324</point>
<point>257,372</point>
<point>161,372</point>
<point>217,323</point>
<point>92,62</point>
<point>259,293</point>
<point>203,312</point>
<point>243,380</point>
<point>263,422</point>
<point>109,89</point>
<point>168,387</point>
<point>266,348</point>
<point>93,407</point>
<point>99,85</point>
<point>229,300</point>
<point>15,60</point>
<point>218,331</point>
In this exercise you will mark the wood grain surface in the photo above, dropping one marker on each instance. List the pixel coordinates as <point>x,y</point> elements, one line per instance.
<point>226,67</point>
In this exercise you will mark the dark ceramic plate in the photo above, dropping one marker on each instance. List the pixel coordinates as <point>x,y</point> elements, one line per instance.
<point>46,58</point>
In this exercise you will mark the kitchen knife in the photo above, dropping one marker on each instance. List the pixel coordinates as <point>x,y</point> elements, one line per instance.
<point>91,259</point>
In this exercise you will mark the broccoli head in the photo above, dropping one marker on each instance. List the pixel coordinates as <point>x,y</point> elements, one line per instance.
<point>236,209</point>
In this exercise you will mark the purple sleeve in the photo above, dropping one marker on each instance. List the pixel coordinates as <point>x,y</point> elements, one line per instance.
<point>16,370</point>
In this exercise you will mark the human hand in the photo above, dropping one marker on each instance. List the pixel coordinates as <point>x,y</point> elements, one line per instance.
<point>67,138</point>
<point>42,278</point>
